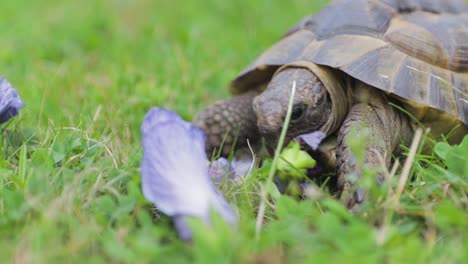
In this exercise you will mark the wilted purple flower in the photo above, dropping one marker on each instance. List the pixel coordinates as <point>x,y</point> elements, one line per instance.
<point>174,170</point>
<point>10,102</point>
<point>313,139</point>
<point>222,167</point>
<point>242,166</point>
<point>315,171</point>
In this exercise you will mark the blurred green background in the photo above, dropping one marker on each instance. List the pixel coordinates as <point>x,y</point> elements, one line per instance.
<point>68,57</point>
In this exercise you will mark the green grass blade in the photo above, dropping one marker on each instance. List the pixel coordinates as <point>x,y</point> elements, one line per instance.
<point>267,189</point>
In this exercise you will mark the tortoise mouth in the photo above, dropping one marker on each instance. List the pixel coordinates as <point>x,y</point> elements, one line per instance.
<point>271,144</point>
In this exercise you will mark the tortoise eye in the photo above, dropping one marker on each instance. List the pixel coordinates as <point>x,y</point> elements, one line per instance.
<point>298,112</point>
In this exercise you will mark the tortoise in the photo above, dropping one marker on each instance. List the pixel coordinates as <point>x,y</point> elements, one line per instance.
<point>386,66</point>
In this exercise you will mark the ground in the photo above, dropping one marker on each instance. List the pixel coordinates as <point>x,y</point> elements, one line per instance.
<point>69,171</point>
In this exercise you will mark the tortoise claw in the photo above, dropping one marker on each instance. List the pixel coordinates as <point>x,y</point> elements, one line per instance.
<point>352,197</point>
<point>359,195</point>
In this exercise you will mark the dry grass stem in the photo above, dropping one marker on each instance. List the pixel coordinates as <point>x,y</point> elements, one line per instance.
<point>407,167</point>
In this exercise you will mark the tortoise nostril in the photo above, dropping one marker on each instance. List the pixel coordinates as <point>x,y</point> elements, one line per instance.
<point>269,124</point>
<point>269,114</point>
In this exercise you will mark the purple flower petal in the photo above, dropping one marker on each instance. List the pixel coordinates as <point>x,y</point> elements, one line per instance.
<point>313,139</point>
<point>174,168</point>
<point>10,102</point>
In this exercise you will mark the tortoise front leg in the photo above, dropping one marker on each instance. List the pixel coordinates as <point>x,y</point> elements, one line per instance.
<point>387,129</point>
<point>229,121</point>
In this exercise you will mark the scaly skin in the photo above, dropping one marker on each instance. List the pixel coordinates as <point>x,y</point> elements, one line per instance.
<point>228,121</point>
<point>255,115</point>
<point>387,128</point>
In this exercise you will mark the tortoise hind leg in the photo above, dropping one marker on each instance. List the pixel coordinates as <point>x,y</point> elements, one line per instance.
<point>387,129</point>
<point>229,121</point>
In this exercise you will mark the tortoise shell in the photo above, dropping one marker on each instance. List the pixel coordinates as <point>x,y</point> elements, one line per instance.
<point>417,51</point>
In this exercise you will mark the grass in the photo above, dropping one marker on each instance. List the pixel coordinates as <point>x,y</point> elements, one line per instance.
<point>70,185</point>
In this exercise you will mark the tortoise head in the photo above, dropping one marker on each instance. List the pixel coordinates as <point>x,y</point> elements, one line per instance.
<point>312,106</point>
